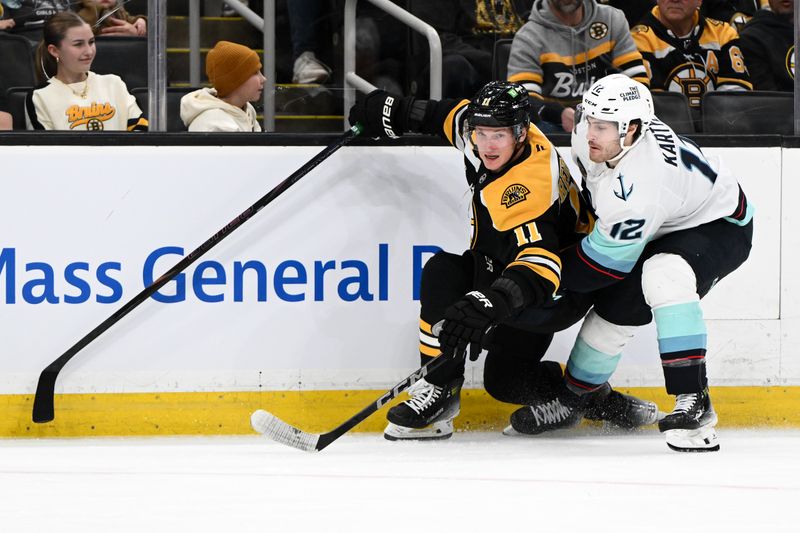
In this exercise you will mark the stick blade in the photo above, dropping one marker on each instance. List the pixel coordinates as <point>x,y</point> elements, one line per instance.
<point>44,400</point>
<point>276,429</point>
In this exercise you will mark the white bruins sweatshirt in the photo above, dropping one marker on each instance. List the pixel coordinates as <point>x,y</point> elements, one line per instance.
<point>101,103</point>
<point>201,110</point>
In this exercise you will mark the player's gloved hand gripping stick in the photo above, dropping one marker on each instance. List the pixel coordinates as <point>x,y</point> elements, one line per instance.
<point>43,402</point>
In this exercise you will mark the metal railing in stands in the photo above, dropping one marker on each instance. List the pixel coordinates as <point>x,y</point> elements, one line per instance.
<point>354,81</point>
<point>157,65</point>
<point>266,25</point>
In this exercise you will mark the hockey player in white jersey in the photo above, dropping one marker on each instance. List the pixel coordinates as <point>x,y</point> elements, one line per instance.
<point>670,224</point>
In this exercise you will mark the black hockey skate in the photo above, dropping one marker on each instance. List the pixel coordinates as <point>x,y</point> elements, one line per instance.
<point>622,410</point>
<point>564,411</point>
<point>427,414</point>
<point>690,425</point>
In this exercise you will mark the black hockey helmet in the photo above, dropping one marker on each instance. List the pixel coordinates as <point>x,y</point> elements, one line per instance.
<point>500,104</point>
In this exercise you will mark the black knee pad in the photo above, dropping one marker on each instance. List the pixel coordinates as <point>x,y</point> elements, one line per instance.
<point>525,382</point>
<point>513,371</point>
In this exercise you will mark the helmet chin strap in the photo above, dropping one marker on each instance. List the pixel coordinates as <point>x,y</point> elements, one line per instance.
<point>624,149</point>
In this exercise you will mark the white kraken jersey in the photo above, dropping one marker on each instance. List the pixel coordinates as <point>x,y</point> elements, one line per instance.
<point>661,185</point>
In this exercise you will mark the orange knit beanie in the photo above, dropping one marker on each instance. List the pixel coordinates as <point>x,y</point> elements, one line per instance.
<point>228,65</point>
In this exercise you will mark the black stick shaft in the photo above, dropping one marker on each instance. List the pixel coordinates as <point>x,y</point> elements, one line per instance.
<point>43,402</point>
<point>327,438</point>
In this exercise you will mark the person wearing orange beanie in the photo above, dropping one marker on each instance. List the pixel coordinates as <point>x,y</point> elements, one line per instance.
<point>234,71</point>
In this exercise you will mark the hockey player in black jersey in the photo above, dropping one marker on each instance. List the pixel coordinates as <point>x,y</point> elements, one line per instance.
<point>499,294</point>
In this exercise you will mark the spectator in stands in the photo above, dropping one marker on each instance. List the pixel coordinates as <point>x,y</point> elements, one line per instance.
<point>381,51</point>
<point>634,9</point>
<point>304,17</point>
<point>72,97</point>
<point>737,13</point>
<point>235,72</point>
<point>565,46</point>
<point>5,24</point>
<point>468,31</point>
<point>689,53</point>
<point>6,122</point>
<point>767,43</point>
<point>32,14</point>
<point>108,17</point>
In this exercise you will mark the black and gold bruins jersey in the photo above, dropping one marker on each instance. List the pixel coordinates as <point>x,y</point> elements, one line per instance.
<point>709,59</point>
<point>524,214</point>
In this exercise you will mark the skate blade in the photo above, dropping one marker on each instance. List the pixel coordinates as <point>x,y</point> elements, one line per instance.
<point>436,431</point>
<point>703,439</point>
<point>572,431</point>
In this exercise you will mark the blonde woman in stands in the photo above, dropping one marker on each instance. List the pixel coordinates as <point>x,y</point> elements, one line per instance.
<point>108,17</point>
<point>235,72</point>
<point>72,97</point>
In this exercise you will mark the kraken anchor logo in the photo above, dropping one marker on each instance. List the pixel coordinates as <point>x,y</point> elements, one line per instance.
<point>623,194</point>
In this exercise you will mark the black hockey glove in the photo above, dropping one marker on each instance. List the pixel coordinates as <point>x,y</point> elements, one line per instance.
<point>468,321</point>
<point>380,114</point>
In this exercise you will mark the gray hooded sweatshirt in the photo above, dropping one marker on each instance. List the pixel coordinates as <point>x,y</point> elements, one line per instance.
<point>557,63</point>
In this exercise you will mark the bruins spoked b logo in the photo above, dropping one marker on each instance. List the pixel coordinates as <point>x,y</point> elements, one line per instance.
<point>514,194</point>
<point>598,30</point>
<point>691,79</point>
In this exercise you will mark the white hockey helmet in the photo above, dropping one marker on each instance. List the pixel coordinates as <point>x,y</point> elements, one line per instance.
<point>618,98</point>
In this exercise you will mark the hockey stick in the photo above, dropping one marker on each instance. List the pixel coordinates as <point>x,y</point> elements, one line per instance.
<point>276,429</point>
<point>43,402</point>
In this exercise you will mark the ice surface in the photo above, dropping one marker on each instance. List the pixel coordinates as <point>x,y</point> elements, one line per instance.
<point>578,481</point>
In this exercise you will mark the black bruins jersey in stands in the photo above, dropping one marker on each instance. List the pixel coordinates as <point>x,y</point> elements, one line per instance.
<point>768,46</point>
<point>709,59</point>
<point>525,213</point>
<point>737,13</point>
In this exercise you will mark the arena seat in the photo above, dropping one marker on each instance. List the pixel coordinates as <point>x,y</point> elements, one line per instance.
<point>174,95</point>
<point>502,49</point>
<point>16,105</point>
<point>124,56</point>
<point>748,113</point>
<point>16,68</point>
<point>673,109</point>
